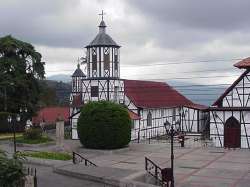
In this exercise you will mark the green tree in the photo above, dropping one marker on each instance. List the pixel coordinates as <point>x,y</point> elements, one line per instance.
<point>47,95</point>
<point>20,70</point>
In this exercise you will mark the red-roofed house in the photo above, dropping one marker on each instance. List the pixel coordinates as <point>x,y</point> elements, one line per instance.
<point>150,104</point>
<point>49,115</point>
<point>230,113</point>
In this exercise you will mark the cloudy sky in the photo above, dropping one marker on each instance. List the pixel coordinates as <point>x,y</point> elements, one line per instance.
<point>174,40</point>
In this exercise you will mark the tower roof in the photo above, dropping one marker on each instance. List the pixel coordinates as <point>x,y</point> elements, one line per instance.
<point>78,72</point>
<point>102,39</point>
<point>245,64</point>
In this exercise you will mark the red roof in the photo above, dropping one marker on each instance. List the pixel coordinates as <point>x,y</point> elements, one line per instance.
<point>49,115</point>
<point>133,115</point>
<point>149,94</point>
<point>245,63</point>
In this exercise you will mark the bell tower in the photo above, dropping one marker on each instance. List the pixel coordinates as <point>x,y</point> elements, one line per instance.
<point>103,55</point>
<point>103,69</point>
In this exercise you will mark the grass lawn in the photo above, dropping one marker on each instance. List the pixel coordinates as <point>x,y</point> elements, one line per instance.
<point>43,139</point>
<point>48,155</point>
<point>7,136</point>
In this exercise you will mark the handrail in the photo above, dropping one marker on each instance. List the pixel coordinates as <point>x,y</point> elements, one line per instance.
<point>77,158</point>
<point>153,169</point>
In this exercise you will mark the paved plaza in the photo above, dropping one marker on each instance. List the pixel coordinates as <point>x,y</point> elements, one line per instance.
<point>194,165</point>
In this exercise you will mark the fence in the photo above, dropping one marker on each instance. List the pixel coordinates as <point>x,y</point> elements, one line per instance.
<point>77,158</point>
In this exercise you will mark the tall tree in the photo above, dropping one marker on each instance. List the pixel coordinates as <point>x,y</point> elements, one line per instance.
<point>20,70</point>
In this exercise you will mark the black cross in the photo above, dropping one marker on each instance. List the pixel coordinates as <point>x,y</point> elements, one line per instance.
<point>102,14</point>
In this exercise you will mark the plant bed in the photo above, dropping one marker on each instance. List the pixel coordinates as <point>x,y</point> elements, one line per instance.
<point>42,140</point>
<point>9,136</point>
<point>47,155</point>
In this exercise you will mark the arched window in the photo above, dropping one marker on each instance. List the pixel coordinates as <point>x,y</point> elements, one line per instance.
<point>149,119</point>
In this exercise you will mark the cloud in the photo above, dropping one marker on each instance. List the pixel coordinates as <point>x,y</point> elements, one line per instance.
<point>150,32</point>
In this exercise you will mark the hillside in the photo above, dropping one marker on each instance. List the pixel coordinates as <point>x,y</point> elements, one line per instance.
<point>62,91</point>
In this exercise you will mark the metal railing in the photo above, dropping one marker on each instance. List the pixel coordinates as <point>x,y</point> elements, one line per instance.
<point>77,158</point>
<point>153,169</point>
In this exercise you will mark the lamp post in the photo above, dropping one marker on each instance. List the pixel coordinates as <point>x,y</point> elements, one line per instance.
<point>13,122</point>
<point>172,154</point>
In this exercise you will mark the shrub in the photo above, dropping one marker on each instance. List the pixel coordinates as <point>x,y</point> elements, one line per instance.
<point>104,125</point>
<point>33,133</point>
<point>10,171</point>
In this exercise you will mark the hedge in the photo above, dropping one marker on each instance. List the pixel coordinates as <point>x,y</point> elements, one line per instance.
<point>104,125</point>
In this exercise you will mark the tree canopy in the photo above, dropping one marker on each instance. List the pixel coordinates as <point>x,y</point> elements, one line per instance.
<point>20,70</point>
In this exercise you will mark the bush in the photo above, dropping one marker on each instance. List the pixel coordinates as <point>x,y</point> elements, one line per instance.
<point>10,171</point>
<point>33,133</point>
<point>104,125</point>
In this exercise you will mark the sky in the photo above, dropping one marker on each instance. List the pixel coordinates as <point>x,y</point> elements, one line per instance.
<point>189,41</point>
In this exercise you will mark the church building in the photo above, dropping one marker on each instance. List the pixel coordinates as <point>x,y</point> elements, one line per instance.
<point>152,106</point>
<point>230,114</point>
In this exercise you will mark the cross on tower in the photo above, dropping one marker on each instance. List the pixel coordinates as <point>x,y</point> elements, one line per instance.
<point>102,14</point>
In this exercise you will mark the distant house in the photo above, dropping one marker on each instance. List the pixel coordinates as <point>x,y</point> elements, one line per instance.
<point>230,114</point>
<point>49,115</point>
<point>150,104</point>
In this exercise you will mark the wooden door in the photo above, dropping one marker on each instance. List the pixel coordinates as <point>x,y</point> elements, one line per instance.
<point>232,133</point>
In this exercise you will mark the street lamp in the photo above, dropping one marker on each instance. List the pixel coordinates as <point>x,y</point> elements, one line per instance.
<point>10,120</point>
<point>13,123</point>
<point>172,153</point>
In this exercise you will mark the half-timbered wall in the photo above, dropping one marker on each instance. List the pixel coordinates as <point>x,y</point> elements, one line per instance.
<point>152,121</point>
<point>239,96</point>
<point>73,122</point>
<point>193,120</point>
<point>217,123</point>
<point>107,89</point>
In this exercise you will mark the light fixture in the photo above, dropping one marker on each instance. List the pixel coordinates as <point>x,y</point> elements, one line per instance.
<point>9,119</point>
<point>18,118</point>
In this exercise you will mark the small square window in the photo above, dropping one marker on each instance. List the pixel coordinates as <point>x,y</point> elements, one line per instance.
<point>94,91</point>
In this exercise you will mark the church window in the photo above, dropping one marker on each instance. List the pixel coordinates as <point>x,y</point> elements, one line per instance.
<point>74,83</point>
<point>149,119</point>
<point>116,88</point>
<point>94,91</point>
<point>106,58</point>
<point>116,62</point>
<point>116,59</point>
<point>94,60</point>
<point>174,114</point>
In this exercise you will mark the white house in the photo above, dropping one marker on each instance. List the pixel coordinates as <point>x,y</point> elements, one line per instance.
<point>230,114</point>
